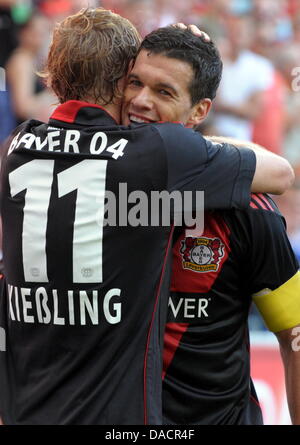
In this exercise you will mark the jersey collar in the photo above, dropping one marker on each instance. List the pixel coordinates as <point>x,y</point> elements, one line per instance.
<point>82,113</point>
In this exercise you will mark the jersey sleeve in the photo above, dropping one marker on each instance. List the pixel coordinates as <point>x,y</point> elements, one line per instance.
<point>275,279</point>
<point>222,171</point>
<point>271,258</point>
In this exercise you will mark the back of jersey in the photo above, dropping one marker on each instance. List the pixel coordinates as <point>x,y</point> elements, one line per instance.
<point>82,296</point>
<point>86,255</point>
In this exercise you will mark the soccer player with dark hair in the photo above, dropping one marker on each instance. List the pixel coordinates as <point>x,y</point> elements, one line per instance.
<point>85,301</point>
<point>194,67</point>
<point>241,256</point>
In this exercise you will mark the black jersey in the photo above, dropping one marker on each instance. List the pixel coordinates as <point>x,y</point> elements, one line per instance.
<point>206,358</point>
<point>86,301</point>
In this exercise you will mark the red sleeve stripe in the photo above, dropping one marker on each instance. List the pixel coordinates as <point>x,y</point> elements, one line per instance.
<point>260,202</point>
<point>264,199</point>
<point>253,205</point>
<point>257,204</point>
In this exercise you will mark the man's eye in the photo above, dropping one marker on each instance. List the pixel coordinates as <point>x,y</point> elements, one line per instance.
<point>164,92</point>
<point>135,83</point>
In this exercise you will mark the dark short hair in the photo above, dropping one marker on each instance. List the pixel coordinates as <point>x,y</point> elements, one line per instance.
<point>202,56</point>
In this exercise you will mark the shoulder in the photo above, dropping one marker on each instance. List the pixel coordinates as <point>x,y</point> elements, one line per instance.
<point>178,139</point>
<point>262,201</point>
<point>162,130</point>
<point>172,130</point>
<point>261,215</point>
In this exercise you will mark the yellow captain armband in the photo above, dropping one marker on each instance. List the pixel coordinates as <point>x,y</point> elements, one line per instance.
<point>280,308</point>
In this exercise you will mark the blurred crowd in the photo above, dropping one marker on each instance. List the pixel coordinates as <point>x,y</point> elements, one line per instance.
<point>259,40</point>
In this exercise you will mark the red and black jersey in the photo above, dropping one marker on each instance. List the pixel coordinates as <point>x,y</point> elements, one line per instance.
<point>85,301</point>
<point>206,356</point>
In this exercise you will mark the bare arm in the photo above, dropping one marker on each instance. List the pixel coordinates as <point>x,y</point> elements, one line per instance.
<point>273,174</point>
<point>290,353</point>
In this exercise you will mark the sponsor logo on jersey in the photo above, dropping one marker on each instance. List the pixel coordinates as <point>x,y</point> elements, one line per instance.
<point>202,254</point>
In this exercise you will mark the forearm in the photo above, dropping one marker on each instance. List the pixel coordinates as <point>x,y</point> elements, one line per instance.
<point>237,142</point>
<point>291,360</point>
<point>273,173</point>
<point>290,352</point>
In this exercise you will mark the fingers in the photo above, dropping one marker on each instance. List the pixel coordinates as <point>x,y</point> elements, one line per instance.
<point>194,29</point>
<point>180,25</point>
<point>197,32</point>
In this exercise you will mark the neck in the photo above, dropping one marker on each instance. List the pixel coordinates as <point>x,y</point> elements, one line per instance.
<point>113,109</point>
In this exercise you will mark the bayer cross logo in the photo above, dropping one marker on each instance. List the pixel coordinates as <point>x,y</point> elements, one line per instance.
<point>87,272</point>
<point>202,254</point>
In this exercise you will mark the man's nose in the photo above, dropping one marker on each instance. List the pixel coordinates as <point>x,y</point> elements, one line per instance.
<point>143,99</point>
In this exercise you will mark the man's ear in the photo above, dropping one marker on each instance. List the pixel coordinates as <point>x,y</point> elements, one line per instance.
<point>199,112</point>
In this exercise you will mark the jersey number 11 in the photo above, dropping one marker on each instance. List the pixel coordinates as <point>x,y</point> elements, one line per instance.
<point>88,177</point>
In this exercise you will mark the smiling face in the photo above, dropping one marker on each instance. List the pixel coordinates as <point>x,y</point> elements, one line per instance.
<point>158,90</point>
